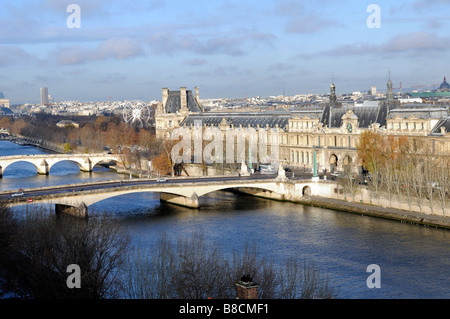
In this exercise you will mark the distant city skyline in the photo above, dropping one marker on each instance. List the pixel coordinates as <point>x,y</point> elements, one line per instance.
<point>129,50</point>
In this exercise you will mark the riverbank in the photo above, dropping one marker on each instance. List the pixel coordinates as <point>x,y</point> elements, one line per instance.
<point>377,211</point>
<point>25,141</point>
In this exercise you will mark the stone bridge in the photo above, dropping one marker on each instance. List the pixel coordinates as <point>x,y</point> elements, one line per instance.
<point>75,199</point>
<point>44,162</point>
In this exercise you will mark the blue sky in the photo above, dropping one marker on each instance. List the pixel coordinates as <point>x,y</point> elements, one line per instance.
<point>131,49</point>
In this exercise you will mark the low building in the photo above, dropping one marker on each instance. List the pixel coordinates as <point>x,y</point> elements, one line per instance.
<point>67,123</point>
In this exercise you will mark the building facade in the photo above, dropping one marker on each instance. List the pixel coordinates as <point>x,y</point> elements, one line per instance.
<point>326,136</point>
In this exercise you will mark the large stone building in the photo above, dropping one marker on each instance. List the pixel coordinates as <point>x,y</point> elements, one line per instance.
<point>327,135</point>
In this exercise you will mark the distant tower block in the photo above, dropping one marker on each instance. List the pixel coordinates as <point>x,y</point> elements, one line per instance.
<point>44,96</point>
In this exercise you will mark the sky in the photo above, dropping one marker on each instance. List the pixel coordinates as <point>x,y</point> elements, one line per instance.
<point>130,50</point>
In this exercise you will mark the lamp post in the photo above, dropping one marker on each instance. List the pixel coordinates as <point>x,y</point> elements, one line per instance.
<point>315,176</point>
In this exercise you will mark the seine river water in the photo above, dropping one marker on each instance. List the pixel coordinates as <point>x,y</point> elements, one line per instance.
<point>414,260</point>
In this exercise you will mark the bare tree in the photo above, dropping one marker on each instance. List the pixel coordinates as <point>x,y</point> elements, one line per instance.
<point>44,246</point>
<point>349,184</point>
<point>304,281</point>
<point>148,272</point>
<point>190,268</point>
<point>443,180</point>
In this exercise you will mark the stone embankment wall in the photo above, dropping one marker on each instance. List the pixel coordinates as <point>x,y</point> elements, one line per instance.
<point>330,195</point>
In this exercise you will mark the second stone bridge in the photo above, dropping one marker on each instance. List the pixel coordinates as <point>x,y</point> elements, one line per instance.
<point>44,162</point>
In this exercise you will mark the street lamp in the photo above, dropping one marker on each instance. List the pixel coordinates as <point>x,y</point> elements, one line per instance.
<point>315,176</point>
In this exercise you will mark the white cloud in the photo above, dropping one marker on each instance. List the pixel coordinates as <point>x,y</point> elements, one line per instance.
<point>14,55</point>
<point>416,43</point>
<point>114,48</point>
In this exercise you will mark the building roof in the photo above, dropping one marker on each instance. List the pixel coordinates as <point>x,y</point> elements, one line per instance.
<point>421,111</point>
<point>315,113</point>
<point>366,115</point>
<point>444,85</point>
<point>252,119</point>
<point>5,111</point>
<point>429,94</point>
<point>173,104</point>
<point>442,123</point>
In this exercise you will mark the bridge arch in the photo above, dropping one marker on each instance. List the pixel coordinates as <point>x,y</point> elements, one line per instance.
<point>73,160</point>
<point>306,191</point>
<point>96,161</point>
<point>221,188</point>
<point>4,166</point>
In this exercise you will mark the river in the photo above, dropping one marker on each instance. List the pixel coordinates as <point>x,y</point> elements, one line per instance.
<point>414,260</point>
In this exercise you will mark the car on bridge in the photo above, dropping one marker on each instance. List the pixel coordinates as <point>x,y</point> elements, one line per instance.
<point>161,180</point>
<point>17,194</point>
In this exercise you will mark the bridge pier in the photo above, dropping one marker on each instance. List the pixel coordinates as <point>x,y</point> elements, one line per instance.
<point>190,202</point>
<point>87,166</point>
<point>43,168</point>
<point>79,212</point>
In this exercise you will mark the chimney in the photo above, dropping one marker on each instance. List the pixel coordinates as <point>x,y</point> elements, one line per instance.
<point>183,97</point>
<point>165,96</point>
<point>197,98</point>
<point>246,288</point>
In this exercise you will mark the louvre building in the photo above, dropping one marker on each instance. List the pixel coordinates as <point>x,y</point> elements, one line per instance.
<point>331,132</point>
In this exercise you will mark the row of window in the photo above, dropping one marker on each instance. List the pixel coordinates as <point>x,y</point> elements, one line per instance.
<point>299,157</point>
<point>302,124</point>
<point>407,125</point>
<point>324,141</point>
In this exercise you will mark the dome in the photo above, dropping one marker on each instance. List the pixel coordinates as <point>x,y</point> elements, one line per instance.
<point>444,86</point>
